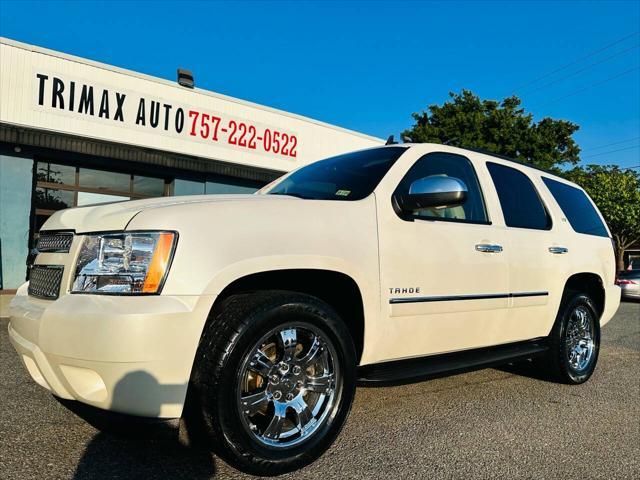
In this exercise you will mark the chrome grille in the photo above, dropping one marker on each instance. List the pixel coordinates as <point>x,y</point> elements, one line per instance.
<point>58,242</point>
<point>44,281</point>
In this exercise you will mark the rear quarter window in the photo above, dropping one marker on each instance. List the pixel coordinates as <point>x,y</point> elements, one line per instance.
<point>521,205</point>
<point>577,207</point>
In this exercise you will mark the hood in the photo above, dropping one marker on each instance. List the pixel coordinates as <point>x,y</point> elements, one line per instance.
<point>117,215</point>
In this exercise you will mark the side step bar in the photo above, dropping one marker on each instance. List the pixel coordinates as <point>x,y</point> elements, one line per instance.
<point>415,369</point>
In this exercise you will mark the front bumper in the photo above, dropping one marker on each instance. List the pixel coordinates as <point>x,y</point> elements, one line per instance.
<point>130,355</point>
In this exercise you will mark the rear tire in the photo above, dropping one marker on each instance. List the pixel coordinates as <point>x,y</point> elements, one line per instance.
<point>574,340</point>
<point>272,383</point>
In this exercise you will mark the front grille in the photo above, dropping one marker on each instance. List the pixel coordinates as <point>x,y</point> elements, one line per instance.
<point>58,242</point>
<point>44,281</point>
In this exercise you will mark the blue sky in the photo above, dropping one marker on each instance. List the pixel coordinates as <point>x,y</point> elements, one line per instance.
<point>368,65</point>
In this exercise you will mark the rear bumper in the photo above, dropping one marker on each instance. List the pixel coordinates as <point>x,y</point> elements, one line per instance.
<point>611,303</point>
<point>131,355</point>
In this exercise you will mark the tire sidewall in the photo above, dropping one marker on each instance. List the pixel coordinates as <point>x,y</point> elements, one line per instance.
<point>296,309</point>
<point>570,375</point>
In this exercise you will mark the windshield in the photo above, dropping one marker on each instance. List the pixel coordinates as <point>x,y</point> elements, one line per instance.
<point>351,176</point>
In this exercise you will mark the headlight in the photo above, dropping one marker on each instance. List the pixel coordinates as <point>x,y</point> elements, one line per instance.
<point>125,263</point>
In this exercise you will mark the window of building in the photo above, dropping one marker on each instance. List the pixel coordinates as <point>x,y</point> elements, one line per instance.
<point>91,198</point>
<point>520,202</point>
<point>224,188</point>
<point>104,180</point>
<point>16,176</point>
<point>151,186</point>
<point>448,165</point>
<point>59,174</point>
<point>188,187</point>
<point>214,185</point>
<point>63,186</point>
<point>575,205</point>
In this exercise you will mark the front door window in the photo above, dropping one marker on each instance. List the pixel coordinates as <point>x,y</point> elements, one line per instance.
<point>448,165</point>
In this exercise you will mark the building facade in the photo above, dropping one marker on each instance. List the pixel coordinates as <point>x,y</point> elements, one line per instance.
<point>77,132</point>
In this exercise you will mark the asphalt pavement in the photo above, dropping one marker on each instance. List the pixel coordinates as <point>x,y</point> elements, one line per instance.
<point>494,423</point>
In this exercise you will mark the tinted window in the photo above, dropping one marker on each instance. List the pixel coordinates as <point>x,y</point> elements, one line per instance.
<point>448,165</point>
<point>352,176</point>
<point>577,208</point>
<point>103,180</point>
<point>52,199</point>
<point>148,185</point>
<point>520,202</point>
<point>53,173</point>
<point>630,275</point>
<point>228,188</point>
<point>188,187</point>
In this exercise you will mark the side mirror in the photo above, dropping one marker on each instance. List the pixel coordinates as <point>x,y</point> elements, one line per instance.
<point>433,191</point>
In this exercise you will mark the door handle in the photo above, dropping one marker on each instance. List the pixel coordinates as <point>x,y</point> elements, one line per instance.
<point>558,250</point>
<point>488,248</point>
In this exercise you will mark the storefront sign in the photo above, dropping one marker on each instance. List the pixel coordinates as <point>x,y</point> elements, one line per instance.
<point>56,93</point>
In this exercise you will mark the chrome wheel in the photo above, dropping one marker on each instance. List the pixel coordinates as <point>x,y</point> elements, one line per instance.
<point>288,385</point>
<point>580,343</point>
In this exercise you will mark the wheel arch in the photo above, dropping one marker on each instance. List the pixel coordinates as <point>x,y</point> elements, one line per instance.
<point>337,289</point>
<point>589,283</point>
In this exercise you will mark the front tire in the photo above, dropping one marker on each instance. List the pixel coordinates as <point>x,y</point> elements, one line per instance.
<point>575,340</point>
<point>272,383</point>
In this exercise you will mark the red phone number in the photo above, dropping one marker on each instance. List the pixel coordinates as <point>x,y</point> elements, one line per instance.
<point>242,134</point>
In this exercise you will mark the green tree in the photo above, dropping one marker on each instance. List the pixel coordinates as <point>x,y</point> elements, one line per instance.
<point>498,127</point>
<point>616,192</point>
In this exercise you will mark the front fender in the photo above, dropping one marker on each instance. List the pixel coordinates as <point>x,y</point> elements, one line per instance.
<point>250,266</point>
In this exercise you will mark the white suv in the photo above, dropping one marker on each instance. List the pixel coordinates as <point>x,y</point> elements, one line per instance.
<point>252,317</point>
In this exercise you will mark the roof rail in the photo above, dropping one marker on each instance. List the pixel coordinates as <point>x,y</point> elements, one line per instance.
<point>505,157</point>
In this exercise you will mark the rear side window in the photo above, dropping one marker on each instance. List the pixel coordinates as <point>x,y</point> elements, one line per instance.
<point>520,202</point>
<point>577,208</point>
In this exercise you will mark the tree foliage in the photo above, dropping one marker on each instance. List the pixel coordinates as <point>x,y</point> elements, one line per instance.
<point>616,192</point>
<point>498,127</point>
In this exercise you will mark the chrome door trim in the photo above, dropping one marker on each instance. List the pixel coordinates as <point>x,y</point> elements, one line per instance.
<point>529,294</point>
<point>453,298</point>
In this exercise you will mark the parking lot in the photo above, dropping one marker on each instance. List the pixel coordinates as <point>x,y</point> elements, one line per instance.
<point>485,424</point>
